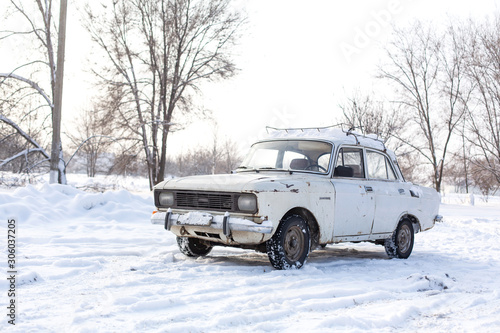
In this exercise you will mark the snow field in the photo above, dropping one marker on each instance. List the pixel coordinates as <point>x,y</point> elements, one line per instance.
<point>92,262</point>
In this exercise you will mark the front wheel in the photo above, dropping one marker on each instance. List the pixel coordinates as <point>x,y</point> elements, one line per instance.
<point>400,244</point>
<point>194,247</point>
<point>289,246</point>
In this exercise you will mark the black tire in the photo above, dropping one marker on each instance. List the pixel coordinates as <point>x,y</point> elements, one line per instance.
<point>400,244</point>
<point>290,244</point>
<point>194,247</point>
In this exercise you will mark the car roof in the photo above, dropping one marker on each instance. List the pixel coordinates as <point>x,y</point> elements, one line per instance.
<point>337,136</point>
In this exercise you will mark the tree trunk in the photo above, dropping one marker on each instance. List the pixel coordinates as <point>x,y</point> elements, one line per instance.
<point>57,167</point>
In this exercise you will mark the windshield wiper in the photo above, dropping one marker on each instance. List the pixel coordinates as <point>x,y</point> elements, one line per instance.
<point>245,168</point>
<point>274,169</point>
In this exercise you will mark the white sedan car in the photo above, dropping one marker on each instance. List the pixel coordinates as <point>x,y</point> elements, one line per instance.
<point>298,190</point>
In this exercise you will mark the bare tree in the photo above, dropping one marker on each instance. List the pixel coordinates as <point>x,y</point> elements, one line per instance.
<point>484,180</point>
<point>363,112</point>
<point>224,155</point>
<point>204,160</point>
<point>387,121</point>
<point>457,173</point>
<point>92,136</point>
<point>159,51</point>
<point>483,116</point>
<point>36,76</point>
<point>21,129</point>
<point>428,71</point>
<point>126,163</point>
<point>231,157</point>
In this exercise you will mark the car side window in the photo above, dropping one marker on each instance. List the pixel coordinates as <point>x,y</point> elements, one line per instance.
<point>390,171</point>
<point>350,163</point>
<point>378,166</point>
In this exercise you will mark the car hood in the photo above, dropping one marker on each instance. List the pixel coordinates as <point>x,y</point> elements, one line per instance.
<point>239,182</point>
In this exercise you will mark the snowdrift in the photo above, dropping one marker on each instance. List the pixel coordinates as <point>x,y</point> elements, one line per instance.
<point>93,262</point>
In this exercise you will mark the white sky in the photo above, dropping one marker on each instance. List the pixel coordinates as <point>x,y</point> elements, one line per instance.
<point>296,63</point>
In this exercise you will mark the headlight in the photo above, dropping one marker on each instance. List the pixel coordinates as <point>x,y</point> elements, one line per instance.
<point>166,199</point>
<point>247,203</point>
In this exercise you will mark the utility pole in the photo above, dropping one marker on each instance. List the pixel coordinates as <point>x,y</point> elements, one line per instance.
<point>56,172</point>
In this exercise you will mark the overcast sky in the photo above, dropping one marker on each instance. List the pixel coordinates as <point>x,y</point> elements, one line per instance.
<point>297,61</point>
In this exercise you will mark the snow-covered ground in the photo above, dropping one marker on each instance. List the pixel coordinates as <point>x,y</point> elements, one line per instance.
<point>92,262</point>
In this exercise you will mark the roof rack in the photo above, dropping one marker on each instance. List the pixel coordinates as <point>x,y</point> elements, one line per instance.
<point>300,128</point>
<point>350,131</point>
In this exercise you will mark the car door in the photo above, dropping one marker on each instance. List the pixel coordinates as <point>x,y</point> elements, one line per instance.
<point>390,193</point>
<point>354,200</point>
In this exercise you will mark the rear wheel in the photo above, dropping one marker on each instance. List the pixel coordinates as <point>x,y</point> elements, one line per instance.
<point>289,246</point>
<point>194,247</point>
<point>400,244</point>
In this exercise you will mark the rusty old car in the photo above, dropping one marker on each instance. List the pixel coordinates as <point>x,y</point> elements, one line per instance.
<point>297,190</point>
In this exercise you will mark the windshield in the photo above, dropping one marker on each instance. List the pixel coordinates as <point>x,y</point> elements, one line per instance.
<point>290,155</point>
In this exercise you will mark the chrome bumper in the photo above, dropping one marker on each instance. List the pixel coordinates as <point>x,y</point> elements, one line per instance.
<point>226,222</point>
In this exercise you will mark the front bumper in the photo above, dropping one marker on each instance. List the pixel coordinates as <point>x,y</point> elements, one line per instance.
<point>225,223</point>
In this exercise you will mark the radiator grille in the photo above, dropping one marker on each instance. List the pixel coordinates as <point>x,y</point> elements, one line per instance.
<point>216,201</point>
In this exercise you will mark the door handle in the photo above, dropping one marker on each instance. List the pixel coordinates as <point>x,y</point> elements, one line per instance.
<point>368,189</point>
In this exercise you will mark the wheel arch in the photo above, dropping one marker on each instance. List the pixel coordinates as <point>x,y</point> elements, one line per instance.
<point>310,220</point>
<point>414,221</point>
